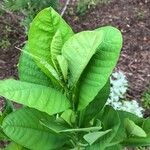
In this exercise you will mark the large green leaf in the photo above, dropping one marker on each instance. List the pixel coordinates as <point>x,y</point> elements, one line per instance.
<point>14,146</point>
<point>3,137</point>
<point>133,140</point>
<point>29,71</point>
<point>131,116</point>
<point>63,65</point>
<point>78,50</point>
<point>43,98</point>
<point>121,134</point>
<point>115,147</point>
<point>100,66</point>
<point>92,137</point>
<point>140,141</point>
<point>56,47</point>
<point>42,31</point>
<point>24,128</point>
<point>146,125</point>
<point>110,120</point>
<point>97,104</point>
<point>54,125</point>
<point>133,129</point>
<point>69,116</point>
<point>137,141</point>
<point>56,44</point>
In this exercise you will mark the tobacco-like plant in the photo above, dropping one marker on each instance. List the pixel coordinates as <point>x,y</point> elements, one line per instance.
<point>64,85</point>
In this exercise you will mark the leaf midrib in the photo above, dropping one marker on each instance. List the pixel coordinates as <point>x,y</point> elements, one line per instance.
<point>26,127</point>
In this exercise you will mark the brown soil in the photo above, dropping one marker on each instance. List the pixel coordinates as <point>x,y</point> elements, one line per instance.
<point>130,16</point>
<point>13,36</point>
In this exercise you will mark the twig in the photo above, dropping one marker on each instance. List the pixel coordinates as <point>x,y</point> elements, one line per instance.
<point>65,7</point>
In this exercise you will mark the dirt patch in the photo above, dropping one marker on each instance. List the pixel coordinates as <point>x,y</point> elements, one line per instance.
<point>12,35</point>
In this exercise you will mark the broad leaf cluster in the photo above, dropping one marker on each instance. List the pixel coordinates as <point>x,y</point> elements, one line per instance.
<point>63,85</point>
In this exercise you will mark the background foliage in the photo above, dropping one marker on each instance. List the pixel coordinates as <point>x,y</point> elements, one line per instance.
<point>29,8</point>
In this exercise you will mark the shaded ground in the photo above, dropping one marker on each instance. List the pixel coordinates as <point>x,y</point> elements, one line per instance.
<point>130,16</point>
<point>11,36</point>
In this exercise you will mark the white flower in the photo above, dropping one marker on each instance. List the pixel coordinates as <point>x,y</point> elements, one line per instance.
<point>119,86</point>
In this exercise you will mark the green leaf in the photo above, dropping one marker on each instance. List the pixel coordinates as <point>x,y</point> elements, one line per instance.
<point>133,141</point>
<point>97,104</point>
<point>56,44</point>
<point>137,142</point>
<point>121,134</point>
<point>43,31</point>
<point>63,64</point>
<point>43,98</point>
<point>100,66</point>
<point>7,109</point>
<point>134,129</point>
<point>29,71</point>
<point>24,128</point>
<point>58,127</point>
<point>146,125</point>
<point>78,51</point>
<point>115,147</point>
<point>3,137</point>
<point>94,147</point>
<point>94,136</point>
<point>69,116</point>
<point>56,47</point>
<point>131,116</point>
<point>51,72</point>
<point>110,120</point>
<point>14,146</point>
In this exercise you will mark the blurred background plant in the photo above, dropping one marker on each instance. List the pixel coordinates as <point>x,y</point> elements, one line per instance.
<point>146,99</point>
<point>5,43</point>
<point>29,8</point>
<point>84,5</point>
<point>117,98</point>
<point>142,148</point>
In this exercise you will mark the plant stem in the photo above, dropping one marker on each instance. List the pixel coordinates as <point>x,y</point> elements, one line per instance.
<point>65,7</point>
<point>82,129</point>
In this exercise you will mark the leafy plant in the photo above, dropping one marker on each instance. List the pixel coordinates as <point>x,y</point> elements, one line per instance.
<point>64,85</point>
<point>146,99</point>
<point>84,5</point>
